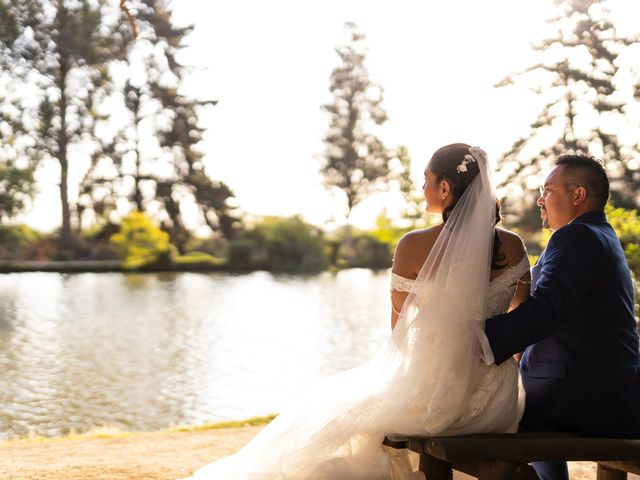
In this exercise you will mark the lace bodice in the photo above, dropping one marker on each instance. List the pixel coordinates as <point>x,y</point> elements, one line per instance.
<point>501,288</point>
<point>491,382</point>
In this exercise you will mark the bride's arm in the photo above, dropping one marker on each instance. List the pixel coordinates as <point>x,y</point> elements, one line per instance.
<point>411,252</point>
<point>522,290</point>
<point>523,286</point>
<point>517,253</point>
<point>397,301</point>
<point>401,266</point>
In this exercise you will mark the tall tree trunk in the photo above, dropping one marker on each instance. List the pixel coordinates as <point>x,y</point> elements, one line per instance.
<point>137,195</point>
<point>66,239</point>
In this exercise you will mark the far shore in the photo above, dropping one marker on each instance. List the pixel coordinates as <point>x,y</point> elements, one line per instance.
<point>111,454</point>
<point>96,266</point>
<point>107,266</point>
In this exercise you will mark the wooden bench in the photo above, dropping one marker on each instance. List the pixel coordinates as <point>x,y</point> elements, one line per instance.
<point>506,456</point>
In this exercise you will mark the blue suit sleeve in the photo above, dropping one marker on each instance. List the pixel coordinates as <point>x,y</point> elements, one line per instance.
<point>573,262</point>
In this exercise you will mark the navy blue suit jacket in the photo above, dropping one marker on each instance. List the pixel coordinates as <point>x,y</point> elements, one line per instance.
<point>581,363</point>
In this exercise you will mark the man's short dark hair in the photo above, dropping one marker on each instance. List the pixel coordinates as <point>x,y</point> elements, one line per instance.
<point>589,172</point>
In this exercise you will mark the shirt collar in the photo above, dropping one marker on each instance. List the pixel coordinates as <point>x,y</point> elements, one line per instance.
<point>591,217</point>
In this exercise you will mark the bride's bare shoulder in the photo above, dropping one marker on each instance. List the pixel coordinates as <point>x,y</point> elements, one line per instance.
<point>512,245</point>
<point>413,249</point>
<point>418,237</point>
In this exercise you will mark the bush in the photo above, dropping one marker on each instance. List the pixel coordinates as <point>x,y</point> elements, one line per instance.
<point>196,261</point>
<point>279,244</point>
<point>15,240</point>
<point>141,244</point>
<point>627,226</point>
<point>385,232</point>
<point>363,250</point>
<point>248,253</point>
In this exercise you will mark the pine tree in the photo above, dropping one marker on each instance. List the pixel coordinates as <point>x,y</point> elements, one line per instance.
<point>415,204</point>
<point>581,80</point>
<point>16,188</point>
<point>55,55</point>
<point>355,159</point>
<point>17,183</point>
<point>156,164</point>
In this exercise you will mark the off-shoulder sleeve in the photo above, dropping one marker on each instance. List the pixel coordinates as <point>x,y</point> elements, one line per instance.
<point>401,284</point>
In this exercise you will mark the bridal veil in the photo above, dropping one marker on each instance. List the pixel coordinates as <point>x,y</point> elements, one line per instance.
<point>418,382</point>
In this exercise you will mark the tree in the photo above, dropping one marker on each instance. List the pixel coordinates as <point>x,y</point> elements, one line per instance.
<point>16,187</point>
<point>56,55</point>
<point>415,203</point>
<point>214,199</point>
<point>355,159</point>
<point>153,160</point>
<point>17,183</point>
<point>279,243</point>
<point>583,78</point>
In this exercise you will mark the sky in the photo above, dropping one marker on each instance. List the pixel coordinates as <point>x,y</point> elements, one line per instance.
<point>268,64</point>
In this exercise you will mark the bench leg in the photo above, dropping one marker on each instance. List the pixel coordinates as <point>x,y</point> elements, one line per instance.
<point>506,471</point>
<point>607,473</point>
<point>434,468</point>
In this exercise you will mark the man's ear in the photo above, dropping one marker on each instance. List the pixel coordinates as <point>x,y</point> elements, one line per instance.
<point>580,196</point>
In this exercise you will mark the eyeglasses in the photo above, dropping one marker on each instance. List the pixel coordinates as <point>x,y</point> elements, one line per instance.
<point>545,190</point>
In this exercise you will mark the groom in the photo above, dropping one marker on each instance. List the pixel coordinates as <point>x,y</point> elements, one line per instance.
<point>580,366</point>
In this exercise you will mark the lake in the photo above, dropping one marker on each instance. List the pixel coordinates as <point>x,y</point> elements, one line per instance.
<point>148,351</point>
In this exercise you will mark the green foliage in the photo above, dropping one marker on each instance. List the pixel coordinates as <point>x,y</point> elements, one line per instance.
<point>14,239</point>
<point>544,236</point>
<point>627,226</point>
<point>365,250</point>
<point>62,52</point>
<point>355,159</point>
<point>16,187</point>
<point>386,232</point>
<point>140,243</point>
<point>229,424</point>
<point>276,243</point>
<point>54,54</point>
<point>352,248</point>
<point>170,122</point>
<point>414,201</point>
<point>585,79</point>
<point>533,259</point>
<point>199,259</point>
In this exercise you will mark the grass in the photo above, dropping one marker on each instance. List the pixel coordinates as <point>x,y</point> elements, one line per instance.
<point>113,432</point>
<point>230,424</point>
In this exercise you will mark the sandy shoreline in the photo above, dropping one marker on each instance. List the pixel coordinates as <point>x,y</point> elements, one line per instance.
<point>149,456</point>
<point>164,455</point>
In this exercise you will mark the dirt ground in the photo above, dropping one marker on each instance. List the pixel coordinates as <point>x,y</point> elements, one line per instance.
<point>148,456</point>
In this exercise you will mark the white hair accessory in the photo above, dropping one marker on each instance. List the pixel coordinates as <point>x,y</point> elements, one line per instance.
<point>468,158</point>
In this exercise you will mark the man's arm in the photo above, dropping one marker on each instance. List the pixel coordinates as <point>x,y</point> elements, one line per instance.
<point>573,262</point>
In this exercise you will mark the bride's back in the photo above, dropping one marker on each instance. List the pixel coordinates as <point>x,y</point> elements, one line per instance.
<point>414,248</point>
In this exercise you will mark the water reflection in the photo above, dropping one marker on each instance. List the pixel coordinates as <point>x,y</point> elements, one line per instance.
<point>148,351</point>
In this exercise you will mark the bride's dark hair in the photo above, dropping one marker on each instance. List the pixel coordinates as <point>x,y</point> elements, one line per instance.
<point>444,166</point>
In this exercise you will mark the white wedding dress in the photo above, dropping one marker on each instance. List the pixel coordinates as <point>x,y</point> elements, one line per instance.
<point>429,378</point>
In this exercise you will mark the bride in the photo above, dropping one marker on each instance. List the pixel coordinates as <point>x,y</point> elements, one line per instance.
<point>430,377</point>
